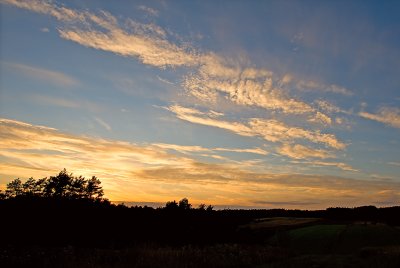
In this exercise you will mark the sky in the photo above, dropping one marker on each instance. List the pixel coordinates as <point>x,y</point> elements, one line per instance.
<point>259,104</point>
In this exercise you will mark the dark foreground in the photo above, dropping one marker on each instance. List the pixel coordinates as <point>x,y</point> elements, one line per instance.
<point>81,233</point>
<point>220,255</point>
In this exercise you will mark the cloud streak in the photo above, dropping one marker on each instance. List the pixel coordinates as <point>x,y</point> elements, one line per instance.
<point>132,171</point>
<point>149,10</point>
<point>48,76</point>
<point>243,86</point>
<point>299,151</point>
<point>270,130</point>
<point>195,149</point>
<point>310,85</point>
<point>102,31</point>
<point>103,123</point>
<point>212,76</point>
<point>387,115</point>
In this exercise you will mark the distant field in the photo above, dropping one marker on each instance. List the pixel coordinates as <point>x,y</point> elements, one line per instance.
<point>339,238</point>
<point>277,222</point>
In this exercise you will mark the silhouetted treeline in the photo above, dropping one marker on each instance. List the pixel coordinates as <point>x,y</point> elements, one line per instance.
<point>68,210</point>
<point>62,186</point>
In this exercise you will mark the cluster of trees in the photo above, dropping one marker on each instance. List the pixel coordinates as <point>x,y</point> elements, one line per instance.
<point>68,187</point>
<point>184,204</point>
<point>61,186</point>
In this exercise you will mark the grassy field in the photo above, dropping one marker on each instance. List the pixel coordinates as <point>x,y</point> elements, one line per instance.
<point>350,238</point>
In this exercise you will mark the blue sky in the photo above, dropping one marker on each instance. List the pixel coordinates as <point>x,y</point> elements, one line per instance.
<point>250,103</point>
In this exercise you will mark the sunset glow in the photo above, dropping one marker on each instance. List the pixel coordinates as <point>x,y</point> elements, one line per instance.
<point>260,104</point>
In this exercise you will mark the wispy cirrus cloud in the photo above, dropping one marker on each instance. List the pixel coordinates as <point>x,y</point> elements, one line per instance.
<point>196,148</point>
<point>270,130</point>
<point>153,51</point>
<point>310,85</point>
<point>48,8</point>
<point>103,123</point>
<point>275,131</point>
<point>198,117</point>
<point>131,171</point>
<point>340,165</point>
<point>387,115</point>
<point>244,86</point>
<point>65,102</point>
<point>149,10</point>
<point>299,151</point>
<point>245,150</point>
<point>329,107</point>
<point>212,76</point>
<point>44,75</point>
<point>102,31</point>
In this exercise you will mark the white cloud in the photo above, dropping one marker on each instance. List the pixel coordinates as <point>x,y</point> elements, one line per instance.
<point>329,107</point>
<point>65,102</point>
<point>213,76</point>
<point>246,150</point>
<point>298,151</point>
<point>165,80</point>
<point>48,8</point>
<point>310,85</point>
<point>271,130</point>
<point>195,149</point>
<point>182,148</point>
<point>103,123</point>
<point>286,79</point>
<point>386,115</point>
<point>242,85</point>
<point>275,131</point>
<point>102,31</point>
<point>320,118</point>
<point>198,117</point>
<point>153,51</point>
<point>149,10</point>
<point>44,75</point>
<point>340,165</point>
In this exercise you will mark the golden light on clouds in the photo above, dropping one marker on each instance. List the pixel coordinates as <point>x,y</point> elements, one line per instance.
<point>133,172</point>
<point>282,121</point>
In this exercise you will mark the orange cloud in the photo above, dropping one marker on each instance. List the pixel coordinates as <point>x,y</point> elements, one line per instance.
<point>131,171</point>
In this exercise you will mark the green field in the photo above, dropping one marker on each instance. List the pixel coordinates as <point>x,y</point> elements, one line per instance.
<point>338,238</point>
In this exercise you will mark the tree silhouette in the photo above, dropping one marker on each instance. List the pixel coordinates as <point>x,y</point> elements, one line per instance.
<point>93,189</point>
<point>14,188</point>
<point>184,204</point>
<point>204,207</point>
<point>61,186</point>
<point>2,195</point>
<point>171,205</point>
